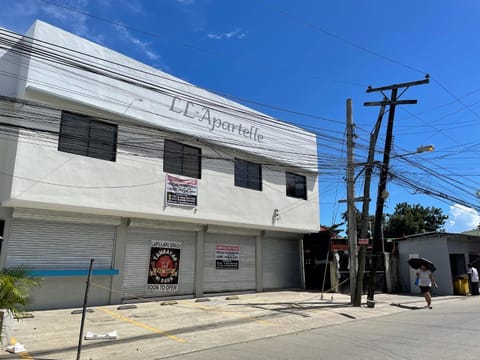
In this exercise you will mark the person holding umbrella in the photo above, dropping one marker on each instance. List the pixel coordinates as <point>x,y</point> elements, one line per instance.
<point>425,279</point>
<point>425,282</point>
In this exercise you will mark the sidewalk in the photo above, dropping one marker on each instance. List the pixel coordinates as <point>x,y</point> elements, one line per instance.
<point>156,331</point>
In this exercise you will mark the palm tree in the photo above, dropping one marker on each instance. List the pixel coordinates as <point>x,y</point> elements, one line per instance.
<point>15,286</point>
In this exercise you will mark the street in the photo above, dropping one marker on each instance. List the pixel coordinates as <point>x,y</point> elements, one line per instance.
<point>274,325</point>
<point>450,330</point>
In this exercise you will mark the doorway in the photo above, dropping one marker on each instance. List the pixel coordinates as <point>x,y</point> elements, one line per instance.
<point>458,265</point>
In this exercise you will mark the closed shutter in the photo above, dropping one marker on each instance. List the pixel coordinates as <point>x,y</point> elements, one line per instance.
<point>281,263</point>
<point>59,245</point>
<point>137,259</point>
<point>230,280</point>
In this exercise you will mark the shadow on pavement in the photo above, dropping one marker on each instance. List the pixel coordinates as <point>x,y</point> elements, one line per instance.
<point>409,307</point>
<point>279,309</point>
<point>294,308</point>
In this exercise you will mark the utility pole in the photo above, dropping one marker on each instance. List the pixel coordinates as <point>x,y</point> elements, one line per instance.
<point>364,222</point>
<point>352,223</point>
<point>392,102</point>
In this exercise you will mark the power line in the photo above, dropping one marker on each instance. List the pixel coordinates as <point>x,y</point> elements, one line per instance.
<point>61,58</point>
<point>315,27</point>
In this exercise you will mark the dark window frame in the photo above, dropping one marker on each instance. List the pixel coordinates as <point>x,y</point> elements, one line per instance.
<point>178,157</point>
<point>98,140</point>
<point>252,175</point>
<point>293,182</point>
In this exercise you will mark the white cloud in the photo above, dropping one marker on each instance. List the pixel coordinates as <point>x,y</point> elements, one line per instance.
<point>135,7</point>
<point>75,21</point>
<point>186,2</point>
<point>236,34</point>
<point>142,45</point>
<point>461,218</point>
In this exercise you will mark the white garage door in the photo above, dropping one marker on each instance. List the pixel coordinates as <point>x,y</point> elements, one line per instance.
<point>217,279</point>
<point>137,261</point>
<point>41,244</point>
<point>281,263</point>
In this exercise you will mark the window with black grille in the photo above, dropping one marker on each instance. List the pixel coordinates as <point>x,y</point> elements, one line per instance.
<point>296,186</point>
<point>181,159</point>
<point>85,135</point>
<point>248,174</point>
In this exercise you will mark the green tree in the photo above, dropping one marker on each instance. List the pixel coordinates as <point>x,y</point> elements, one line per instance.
<point>413,219</point>
<point>15,286</point>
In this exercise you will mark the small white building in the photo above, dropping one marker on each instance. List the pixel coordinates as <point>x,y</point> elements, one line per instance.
<point>449,252</point>
<point>172,190</point>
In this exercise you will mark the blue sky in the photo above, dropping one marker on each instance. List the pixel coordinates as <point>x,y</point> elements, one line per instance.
<point>310,56</point>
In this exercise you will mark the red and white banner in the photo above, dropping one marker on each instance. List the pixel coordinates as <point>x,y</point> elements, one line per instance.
<point>181,192</point>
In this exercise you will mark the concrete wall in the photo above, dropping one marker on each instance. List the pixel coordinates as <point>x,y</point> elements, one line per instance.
<point>166,101</point>
<point>9,76</point>
<point>464,245</point>
<point>436,250</point>
<point>69,292</point>
<point>134,186</point>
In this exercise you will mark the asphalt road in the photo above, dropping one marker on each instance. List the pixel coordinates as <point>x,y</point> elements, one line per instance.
<point>450,330</point>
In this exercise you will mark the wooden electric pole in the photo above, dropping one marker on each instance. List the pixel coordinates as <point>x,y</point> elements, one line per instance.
<point>352,223</point>
<point>382,194</point>
<point>364,220</point>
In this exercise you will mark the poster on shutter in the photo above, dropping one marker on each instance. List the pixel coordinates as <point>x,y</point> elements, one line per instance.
<point>227,257</point>
<point>181,192</point>
<point>163,266</point>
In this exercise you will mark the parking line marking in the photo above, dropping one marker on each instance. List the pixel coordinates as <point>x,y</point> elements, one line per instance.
<point>142,325</point>
<point>24,354</point>
<point>232,313</point>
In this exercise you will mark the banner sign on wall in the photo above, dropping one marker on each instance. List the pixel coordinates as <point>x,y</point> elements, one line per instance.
<point>163,266</point>
<point>227,257</point>
<point>181,192</point>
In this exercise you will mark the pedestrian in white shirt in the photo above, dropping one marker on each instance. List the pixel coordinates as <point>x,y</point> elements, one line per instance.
<point>473,273</point>
<point>425,282</point>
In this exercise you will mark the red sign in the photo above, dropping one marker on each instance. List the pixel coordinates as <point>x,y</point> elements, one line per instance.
<point>362,241</point>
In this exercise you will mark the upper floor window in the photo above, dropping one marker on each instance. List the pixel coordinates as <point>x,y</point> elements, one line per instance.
<point>248,175</point>
<point>182,159</point>
<point>84,135</point>
<point>296,186</point>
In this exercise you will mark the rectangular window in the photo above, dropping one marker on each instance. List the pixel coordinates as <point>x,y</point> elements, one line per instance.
<point>296,186</point>
<point>84,135</point>
<point>248,175</point>
<point>182,159</point>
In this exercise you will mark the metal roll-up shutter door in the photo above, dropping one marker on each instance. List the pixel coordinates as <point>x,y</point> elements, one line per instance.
<point>137,259</point>
<point>59,245</point>
<point>230,280</point>
<point>281,263</point>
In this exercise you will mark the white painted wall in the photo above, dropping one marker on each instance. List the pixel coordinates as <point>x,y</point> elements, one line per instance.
<point>8,147</point>
<point>134,186</point>
<point>167,102</point>
<point>434,249</point>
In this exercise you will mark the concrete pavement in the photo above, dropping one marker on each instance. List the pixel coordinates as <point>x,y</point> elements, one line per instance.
<point>158,330</point>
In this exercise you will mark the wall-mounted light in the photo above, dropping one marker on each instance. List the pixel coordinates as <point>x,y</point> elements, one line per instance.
<point>276,215</point>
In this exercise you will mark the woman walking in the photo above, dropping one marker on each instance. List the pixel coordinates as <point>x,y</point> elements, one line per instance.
<point>425,282</point>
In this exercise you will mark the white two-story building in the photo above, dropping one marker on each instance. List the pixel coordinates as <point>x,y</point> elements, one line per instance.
<point>171,189</point>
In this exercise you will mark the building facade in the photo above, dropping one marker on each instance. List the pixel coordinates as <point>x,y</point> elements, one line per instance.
<point>172,190</point>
